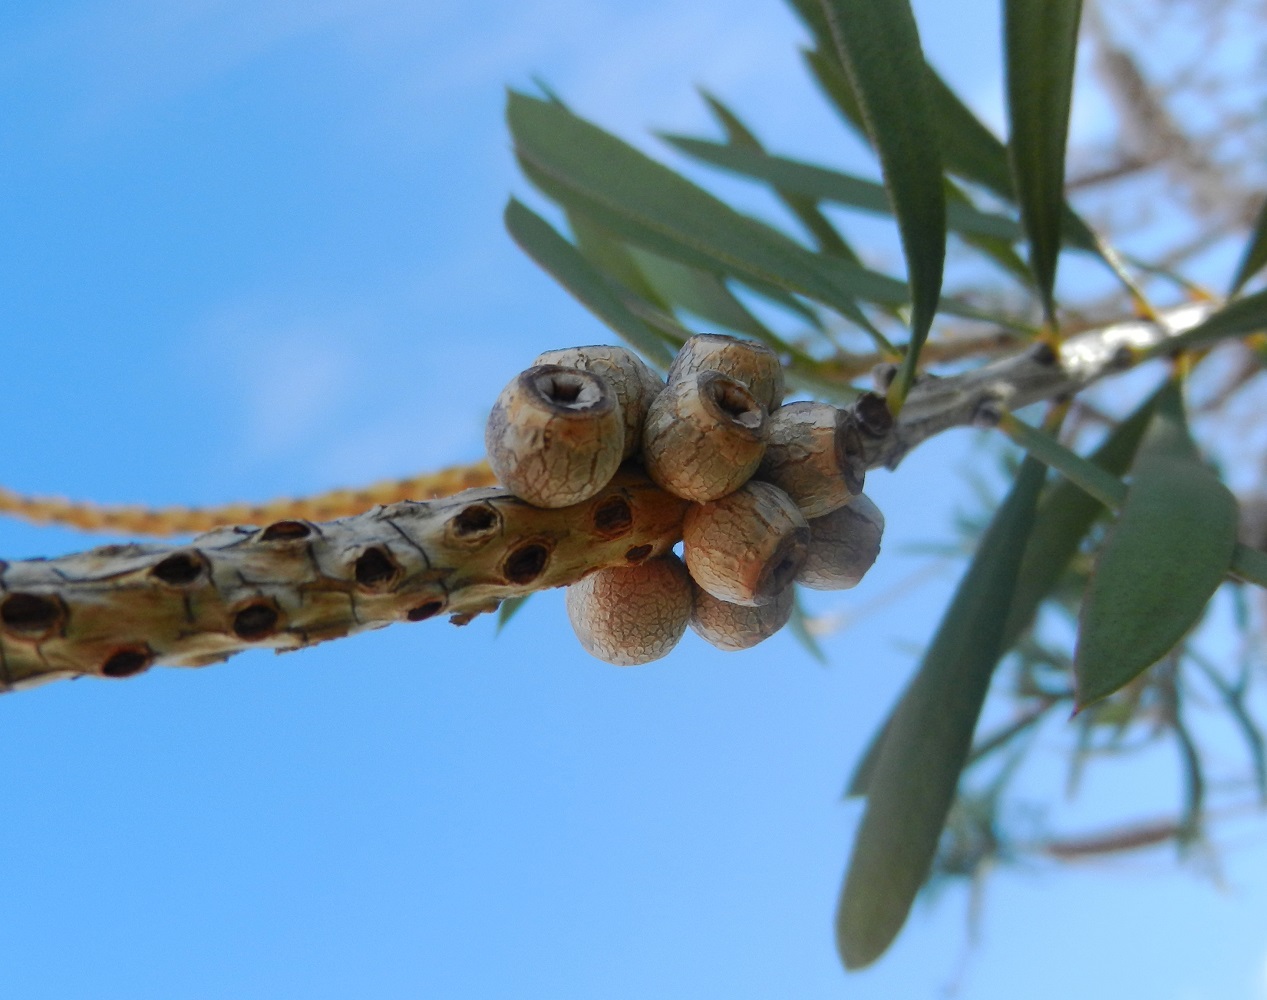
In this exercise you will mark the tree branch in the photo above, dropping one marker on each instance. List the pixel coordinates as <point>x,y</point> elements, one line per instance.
<point>117,610</point>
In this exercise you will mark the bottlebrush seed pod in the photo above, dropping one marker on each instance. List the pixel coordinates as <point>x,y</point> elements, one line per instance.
<point>635,383</point>
<point>753,364</point>
<point>628,615</point>
<point>814,454</point>
<point>555,435</point>
<point>733,626</point>
<point>747,547</point>
<point>704,437</point>
<point>843,545</point>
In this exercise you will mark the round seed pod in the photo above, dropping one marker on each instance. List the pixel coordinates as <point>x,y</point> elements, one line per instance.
<point>747,547</point>
<point>843,545</point>
<point>814,454</point>
<point>733,626</point>
<point>631,614</point>
<point>753,364</point>
<point>635,383</point>
<point>704,437</point>
<point>555,435</point>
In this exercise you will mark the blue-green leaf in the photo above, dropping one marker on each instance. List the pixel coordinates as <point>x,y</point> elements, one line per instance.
<point>566,264</point>
<point>878,44</point>
<point>1236,319</point>
<point>508,609</point>
<point>647,204</point>
<point>926,743</point>
<point>1254,257</point>
<point>1041,45</point>
<point>822,184</point>
<point>806,209</point>
<point>1065,516</point>
<point>1162,561</point>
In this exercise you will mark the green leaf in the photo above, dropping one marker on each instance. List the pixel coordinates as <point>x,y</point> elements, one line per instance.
<point>1041,41</point>
<point>860,780</point>
<point>1254,258</point>
<point>508,609</point>
<point>878,44</point>
<point>1236,319</point>
<point>928,740</point>
<point>822,184</point>
<point>566,264</point>
<point>799,624</point>
<point>1162,561</point>
<point>806,209</point>
<point>1065,516</point>
<point>645,203</point>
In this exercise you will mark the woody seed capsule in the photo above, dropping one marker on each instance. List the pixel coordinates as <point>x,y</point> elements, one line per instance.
<point>814,454</point>
<point>628,615</point>
<point>843,545</point>
<point>753,364</point>
<point>704,437</point>
<point>747,547</point>
<point>636,385</point>
<point>733,626</point>
<point>555,435</point>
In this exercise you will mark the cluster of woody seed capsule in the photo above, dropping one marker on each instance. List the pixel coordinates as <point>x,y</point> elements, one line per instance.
<point>776,490</point>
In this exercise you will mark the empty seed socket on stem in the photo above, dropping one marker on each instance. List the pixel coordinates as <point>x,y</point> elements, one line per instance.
<point>753,364</point>
<point>627,615</point>
<point>635,384</point>
<point>814,454</point>
<point>843,545</point>
<point>747,547</point>
<point>555,435</point>
<point>704,437</point>
<point>732,627</point>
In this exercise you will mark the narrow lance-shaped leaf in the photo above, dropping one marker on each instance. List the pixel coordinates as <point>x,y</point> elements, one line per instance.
<point>647,204</point>
<point>1065,516</point>
<point>1162,561</point>
<point>1041,44</point>
<point>804,208</point>
<point>1247,563</point>
<point>1254,258</point>
<point>1236,319</point>
<point>562,260</point>
<point>928,740</point>
<point>823,184</point>
<point>878,44</point>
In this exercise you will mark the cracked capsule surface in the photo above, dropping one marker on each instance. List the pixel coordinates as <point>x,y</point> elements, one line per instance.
<point>555,436</point>
<point>814,453</point>
<point>732,627</point>
<point>704,437</point>
<point>753,364</point>
<point>843,545</point>
<point>629,615</point>
<point>635,384</point>
<point>747,547</point>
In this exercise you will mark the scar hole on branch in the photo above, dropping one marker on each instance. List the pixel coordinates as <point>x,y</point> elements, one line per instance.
<point>256,621</point>
<point>637,553</point>
<point>179,569</point>
<point>477,521</point>
<point>424,611</point>
<point>285,531</point>
<point>525,563</point>
<point>613,517</point>
<point>31,615</point>
<point>128,661</point>
<point>375,569</point>
<point>737,404</point>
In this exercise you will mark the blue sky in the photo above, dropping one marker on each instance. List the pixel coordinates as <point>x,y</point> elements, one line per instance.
<point>255,249</point>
